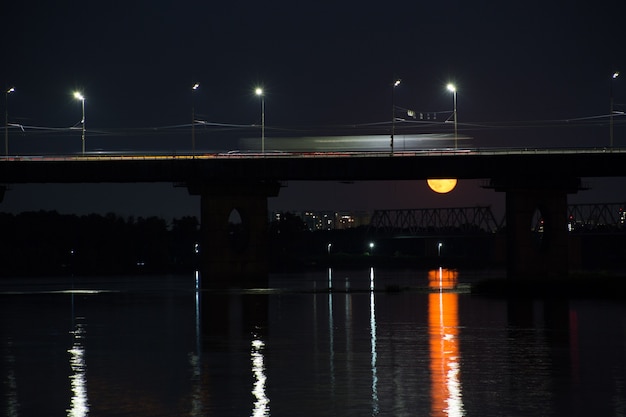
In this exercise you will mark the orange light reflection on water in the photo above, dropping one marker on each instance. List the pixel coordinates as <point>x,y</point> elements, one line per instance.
<point>443,326</point>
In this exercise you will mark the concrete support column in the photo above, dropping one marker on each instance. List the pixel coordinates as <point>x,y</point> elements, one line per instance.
<point>233,244</point>
<point>540,252</point>
<point>536,226</point>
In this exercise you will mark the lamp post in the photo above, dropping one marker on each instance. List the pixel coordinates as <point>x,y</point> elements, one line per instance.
<point>193,120</point>
<point>6,120</point>
<point>78,95</point>
<point>613,77</point>
<point>259,92</point>
<point>393,111</point>
<point>452,88</point>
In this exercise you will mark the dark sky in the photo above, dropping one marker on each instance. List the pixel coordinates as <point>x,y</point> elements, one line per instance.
<point>528,74</point>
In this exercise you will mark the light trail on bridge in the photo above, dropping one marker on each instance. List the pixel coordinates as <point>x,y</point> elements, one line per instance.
<point>116,156</point>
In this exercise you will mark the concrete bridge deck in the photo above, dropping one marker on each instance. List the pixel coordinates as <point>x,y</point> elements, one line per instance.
<point>540,165</point>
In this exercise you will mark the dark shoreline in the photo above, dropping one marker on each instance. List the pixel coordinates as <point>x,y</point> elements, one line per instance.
<point>576,285</point>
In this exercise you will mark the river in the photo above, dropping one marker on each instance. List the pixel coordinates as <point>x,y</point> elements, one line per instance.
<point>359,342</point>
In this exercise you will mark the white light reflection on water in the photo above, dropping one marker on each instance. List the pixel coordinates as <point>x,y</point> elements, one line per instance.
<point>197,290</point>
<point>331,329</point>
<point>197,408</point>
<point>261,404</point>
<point>78,378</point>
<point>349,332</point>
<point>13,405</point>
<point>373,345</point>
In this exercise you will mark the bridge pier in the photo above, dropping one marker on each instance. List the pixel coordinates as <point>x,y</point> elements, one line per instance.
<point>536,225</point>
<point>233,243</point>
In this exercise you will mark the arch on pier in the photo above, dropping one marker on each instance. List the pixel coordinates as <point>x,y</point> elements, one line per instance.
<point>536,225</point>
<point>233,243</point>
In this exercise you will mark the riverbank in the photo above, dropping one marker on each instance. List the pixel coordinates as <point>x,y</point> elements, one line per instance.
<point>576,285</point>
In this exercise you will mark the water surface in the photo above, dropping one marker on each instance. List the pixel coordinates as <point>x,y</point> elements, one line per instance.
<point>155,346</point>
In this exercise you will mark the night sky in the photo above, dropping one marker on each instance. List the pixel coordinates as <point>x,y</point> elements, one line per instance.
<point>528,74</point>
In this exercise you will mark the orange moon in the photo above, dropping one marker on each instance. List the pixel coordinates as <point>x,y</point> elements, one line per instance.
<point>442,186</point>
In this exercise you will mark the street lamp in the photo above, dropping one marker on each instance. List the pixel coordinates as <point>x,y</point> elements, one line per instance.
<point>614,76</point>
<point>259,92</point>
<point>452,88</point>
<point>393,111</point>
<point>193,121</point>
<point>6,120</point>
<point>79,96</point>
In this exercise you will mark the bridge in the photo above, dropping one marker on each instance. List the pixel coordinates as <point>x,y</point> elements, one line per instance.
<point>534,180</point>
<point>543,165</point>
<point>581,218</point>
<point>414,222</point>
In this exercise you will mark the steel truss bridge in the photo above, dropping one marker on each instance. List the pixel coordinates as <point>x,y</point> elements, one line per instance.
<point>434,220</point>
<point>601,217</point>
<point>607,217</point>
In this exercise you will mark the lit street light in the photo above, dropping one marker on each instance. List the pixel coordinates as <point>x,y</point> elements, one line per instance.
<point>393,111</point>
<point>259,92</point>
<point>452,88</point>
<point>79,96</point>
<point>614,76</point>
<point>6,120</point>
<point>193,120</point>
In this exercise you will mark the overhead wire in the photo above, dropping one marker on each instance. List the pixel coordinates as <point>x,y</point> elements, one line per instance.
<point>402,124</point>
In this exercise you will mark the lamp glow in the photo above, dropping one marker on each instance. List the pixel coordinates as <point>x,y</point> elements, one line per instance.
<point>193,120</point>
<point>393,111</point>
<point>452,88</point>
<point>259,92</point>
<point>79,96</point>
<point>613,77</point>
<point>6,120</point>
